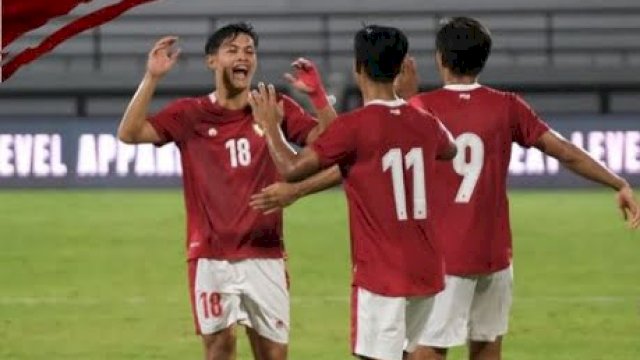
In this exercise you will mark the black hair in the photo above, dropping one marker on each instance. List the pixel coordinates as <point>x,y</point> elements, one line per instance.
<point>229,31</point>
<point>380,51</point>
<point>464,44</point>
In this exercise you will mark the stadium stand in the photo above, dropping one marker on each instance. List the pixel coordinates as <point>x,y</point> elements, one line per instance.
<point>583,50</point>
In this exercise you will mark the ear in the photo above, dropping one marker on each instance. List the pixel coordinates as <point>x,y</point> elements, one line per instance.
<point>211,61</point>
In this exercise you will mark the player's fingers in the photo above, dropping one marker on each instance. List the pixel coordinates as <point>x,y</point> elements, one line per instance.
<point>164,43</point>
<point>272,94</point>
<point>271,210</point>
<point>623,211</point>
<point>175,54</point>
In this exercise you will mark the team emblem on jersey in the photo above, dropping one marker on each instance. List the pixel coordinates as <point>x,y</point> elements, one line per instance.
<point>258,129</point>
<point>212,132</point>
<point>395,111</point>
<point>465,96</point>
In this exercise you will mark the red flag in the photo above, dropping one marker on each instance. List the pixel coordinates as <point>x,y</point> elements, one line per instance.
<point>21,16</point>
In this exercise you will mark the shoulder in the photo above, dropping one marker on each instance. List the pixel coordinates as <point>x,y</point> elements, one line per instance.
<point>187,103</point>
<point>288,103</point>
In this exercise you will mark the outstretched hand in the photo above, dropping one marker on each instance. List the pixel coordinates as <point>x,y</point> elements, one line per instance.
<point>629,207</point>
<point>274,197</point>
<point>267,110</point>
<point>163,56</point>
<point>306,78</point>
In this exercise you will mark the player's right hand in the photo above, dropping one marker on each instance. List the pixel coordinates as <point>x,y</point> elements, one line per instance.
<point>162,56</point>
<point>629,207</point>
<point>274,197</point>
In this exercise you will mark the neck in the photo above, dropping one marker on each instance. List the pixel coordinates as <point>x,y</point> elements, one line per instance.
<point>453,79</point>
<point>231,100</point>
<point>377,91</point>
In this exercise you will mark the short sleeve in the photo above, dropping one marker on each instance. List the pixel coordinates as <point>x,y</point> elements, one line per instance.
<point>297,123</point>
<point>337,144</point>
<point>444,138</point>
<point>173,123</point>
<point>528,127</point>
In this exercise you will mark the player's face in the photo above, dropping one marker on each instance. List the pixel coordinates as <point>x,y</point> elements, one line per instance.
<point>235,62</point>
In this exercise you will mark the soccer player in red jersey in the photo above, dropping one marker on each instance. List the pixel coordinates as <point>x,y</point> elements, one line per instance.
<point>235,254</point>
<point>473,218</point>
<point>386,151</point>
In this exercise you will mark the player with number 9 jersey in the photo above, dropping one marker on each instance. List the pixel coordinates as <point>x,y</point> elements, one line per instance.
<point>472,192</point>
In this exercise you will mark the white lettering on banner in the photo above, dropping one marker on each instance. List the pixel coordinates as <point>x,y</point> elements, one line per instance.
<point>23,145</point>
<point>126,154</point>
<point>614,154</point>
<point>107,147</point>
<point>87,164</point>
<point>596,146</point>
<point>38,155</point>
<point>632,152</point>
<point>6,154</point>
<point>618,150</point>
<point>102,154</point>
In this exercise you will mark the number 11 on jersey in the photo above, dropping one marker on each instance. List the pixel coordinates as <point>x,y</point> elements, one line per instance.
<point>412,160</point>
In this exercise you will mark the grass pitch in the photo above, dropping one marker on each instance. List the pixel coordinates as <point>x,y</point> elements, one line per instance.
<point>102,275</point>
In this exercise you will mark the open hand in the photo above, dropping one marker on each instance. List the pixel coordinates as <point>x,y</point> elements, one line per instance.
<point>267,110</point>
<point>163,56</point>
<point>629,207</point>
<point>274,197</point>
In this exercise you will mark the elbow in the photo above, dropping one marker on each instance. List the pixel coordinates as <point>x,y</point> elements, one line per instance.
<point>125,137</point>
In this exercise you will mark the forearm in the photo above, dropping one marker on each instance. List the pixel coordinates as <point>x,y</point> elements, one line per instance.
<point>580,162</point>
<point>323,180</point>
<point>135,115</point>
<point>283,156</point>
<point>326,115</point>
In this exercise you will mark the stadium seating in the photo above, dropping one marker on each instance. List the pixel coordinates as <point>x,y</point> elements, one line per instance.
<point>587,54</point>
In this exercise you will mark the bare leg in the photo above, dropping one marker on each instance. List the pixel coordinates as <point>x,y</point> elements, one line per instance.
<point>482,350</point>
<point>220,345</point>
<point>428,353</point>
<point>265,349</point>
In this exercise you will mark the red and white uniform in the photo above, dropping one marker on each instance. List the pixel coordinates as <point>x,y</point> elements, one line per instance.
<point>225,160</point>
<point>473,218</point>
<point>387,153</point>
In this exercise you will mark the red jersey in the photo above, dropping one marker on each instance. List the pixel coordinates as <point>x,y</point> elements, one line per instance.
<point>387,153</point>
<point>473,218</point>
<point>225,160</point>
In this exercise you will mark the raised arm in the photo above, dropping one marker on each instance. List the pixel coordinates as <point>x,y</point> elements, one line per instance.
<point>134,127</point>
<point>268,112</point>
<point>306,78</point>
<point>581,163</point>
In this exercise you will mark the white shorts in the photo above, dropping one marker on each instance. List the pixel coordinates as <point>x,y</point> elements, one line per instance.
<point>472,308</point>
<point>252,292</point>
<point>382,327</point>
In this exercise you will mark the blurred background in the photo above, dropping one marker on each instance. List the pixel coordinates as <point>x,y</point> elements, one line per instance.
<point>97,272</point>
<point>576,61</point>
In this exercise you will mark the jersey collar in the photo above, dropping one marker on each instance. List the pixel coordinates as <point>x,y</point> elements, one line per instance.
<point>462,87</point>
<point>389,103</point>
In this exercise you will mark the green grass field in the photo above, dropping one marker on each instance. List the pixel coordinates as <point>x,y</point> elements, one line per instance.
<point>101,275</point>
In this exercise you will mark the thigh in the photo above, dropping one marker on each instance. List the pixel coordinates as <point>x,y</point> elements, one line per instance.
<point>378,325</point>
<point>214,298</point>
<point>265,298</point>
<point>417,312</point>
<point>491,306</point>
<point>448,322</point>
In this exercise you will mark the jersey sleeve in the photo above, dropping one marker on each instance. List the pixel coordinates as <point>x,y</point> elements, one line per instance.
<point>337,144</point>
<point>444,138</point>
<point>172,123</point>
<point>527,125</point>
<point>297,123</point>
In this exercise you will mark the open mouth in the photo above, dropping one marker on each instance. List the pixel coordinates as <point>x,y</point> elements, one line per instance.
<point>240,72</point>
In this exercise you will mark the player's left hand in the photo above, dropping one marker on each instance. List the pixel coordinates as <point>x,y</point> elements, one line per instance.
<point>629,207</point>
<point>274,197</point>
<point>306,78</point>
<point>267,110</point>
